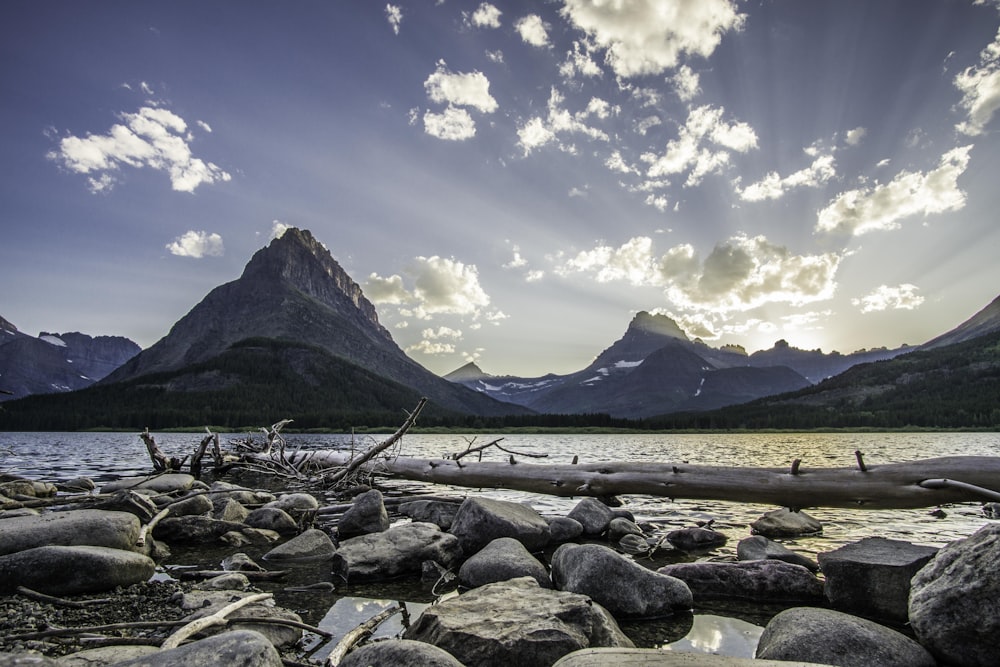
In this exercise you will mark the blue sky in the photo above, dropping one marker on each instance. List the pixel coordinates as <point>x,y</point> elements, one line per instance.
<point>510,182</point>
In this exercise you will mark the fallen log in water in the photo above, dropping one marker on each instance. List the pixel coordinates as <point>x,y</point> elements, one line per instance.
<point>869,486</point>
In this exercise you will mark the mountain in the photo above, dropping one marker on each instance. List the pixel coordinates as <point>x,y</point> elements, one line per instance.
<point>816,365</point>
<point>294,291</point>
<point>55,362</point>
<point>984,322</point>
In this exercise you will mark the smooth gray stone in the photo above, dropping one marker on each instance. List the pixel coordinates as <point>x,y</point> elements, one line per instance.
<point>168,483</point>
<point>502,559</point>
<point>564,529</point>
<point>811,634</point>
<point>758,547</point>
<point>399,653</point>
<point>479,521</point>
<point>104,655</point>
<point>785,523</point>
<point>311,545</point>
<point>955,600</point>
<point>229,509</point>
<point>771,580</point>
<point>366,515</point>
<point>394,552</point>
<point>192,506</point>
<point>26,660</point>
<point>292,502</point>
<point>620,527</point>
<point>193,529</point>
<point>271,518</point>
<point>651,657</point>
<point>244,648</point>
<point>431,511</point>
<point>116,530</point>
<point>73,570</point>
<point>241,494</point>
<point>696,539</point>
<point>593,515</point>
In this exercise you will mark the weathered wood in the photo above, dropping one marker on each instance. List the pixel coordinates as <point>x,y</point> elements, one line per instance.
<point>883,486</point>
<point>351,639</point>
<point>218,618</point>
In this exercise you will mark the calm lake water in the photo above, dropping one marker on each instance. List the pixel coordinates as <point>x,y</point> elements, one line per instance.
<point>727,630</point>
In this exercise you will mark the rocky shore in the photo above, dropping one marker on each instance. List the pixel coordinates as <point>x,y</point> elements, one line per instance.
<point>82,582</point>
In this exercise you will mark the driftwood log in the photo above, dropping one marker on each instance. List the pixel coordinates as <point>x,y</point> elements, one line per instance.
<point>868,486</point>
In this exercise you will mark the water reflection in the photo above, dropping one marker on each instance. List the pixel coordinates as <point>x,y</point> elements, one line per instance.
<point>720,635</point>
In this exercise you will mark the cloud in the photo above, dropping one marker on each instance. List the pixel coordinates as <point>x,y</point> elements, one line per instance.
<point>395,16</point>
<point>855,136</point>
<point>441,286</point>
<point>686,83</point>
<point>470,89</point>
<point>774,186</point>
<point>387,290</point>
<point>452,124</point>
<point>197,245</point>
<point>532,30</point>
<point>152,137</point>
<point>537,131</point>
<point>649,36</point>
<point>580,61</point>
<point>278,229</point>
<point>980,88</point>
<point>485,16</point>
<point>909,193</point>
<point>901,297</point>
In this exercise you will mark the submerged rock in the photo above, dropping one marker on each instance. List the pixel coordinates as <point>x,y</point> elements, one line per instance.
<point>758,547</point>
<point>785,523</point>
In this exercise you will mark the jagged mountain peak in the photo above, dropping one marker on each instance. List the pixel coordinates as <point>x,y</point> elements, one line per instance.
<point>468,372</point>
<point>7,326</point>
<point>658,324</point>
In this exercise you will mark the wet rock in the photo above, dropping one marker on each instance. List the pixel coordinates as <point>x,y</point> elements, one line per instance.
<point>564,529</point>
<point>871,577</point>
<point>27,488</point>
<point>231,581</point>
<point>366,515</point>
<point>399,550</point>
<point>502,559</point>
<point>271,518</point>
<point>104,655</point>
<point>191,506</point>
<point>240,562</point>
<point>229,509</point>
<point>239,647</point>
<point>620,527</point>
<point>772,580</point>
<point>758,547</point>
<point>259,536</point>
<point>633,544</point>
<point>991,510</point>
<point>73,570</point>
<point>431,511</point>
<point>620,585</point>
<point>77,485</point>
<point>479,521</point>
<point>193,529</point>
<point>515,622</point>
<point>593,515</point>
<point>132,502</point>
<point>953,606</point>
<point>651,657</point>
<point>294,502</point>
<point>116,530</point>
<point>785,523</point>
<point>26,660</point>
<point>696,539</point>
<point>159,484</point>
<point>399,653</point>
<point>831,637</point>
<point>311,545</point>
<point>278,634</point>
<point>240,494</point>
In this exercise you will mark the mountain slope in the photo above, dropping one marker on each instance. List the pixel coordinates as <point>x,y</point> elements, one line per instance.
<point>984,322</point>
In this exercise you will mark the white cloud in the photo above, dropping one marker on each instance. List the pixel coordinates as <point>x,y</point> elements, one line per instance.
<point>909,193</point>
<point>432,348</point>
<point>278,229</point>
<point>538,131</point>
<point>452,124</point>
<point>441,286</point>
<point>471,89</point>
<point>197,245</point>
<point>532,30</point>
<point>686,83</point>
<point>152,137</point>
<point>855,136</point>
<point>616,162</point>
<point>980,87</point>
<point>495,56</point>
<point>205,126</point>
<point>774,186</point>
<point>486,16</point>
<point>901,297</point>
<point>646,124</point>
<point>648,36</point>
<point>395,16</point>
<point>580,61</point>
<point>389,290</point>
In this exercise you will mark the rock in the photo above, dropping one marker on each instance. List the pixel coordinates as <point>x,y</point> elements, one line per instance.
<point>115,530</point>
<point>159,484</point>
<point>229,509</point>
<point>259,536</point>
<point>240,562</point>
<point>193,529</point>
<point>191,506</point>
<point>620,585</point>
<point>785,523</point>
<point>231,581</point>
<point>399,653</point>
<point>831,637</point>
<point>27,488</point>
<point>758,547</point>
<point>366,515</point>
<point>271,518</point>
<point>633,544</point>
<point>479,521</point>
<point>620,527</point>
<point>26,660</point>
<point>276,633</point>
<point>73,570</point>
<point>502,559</point>
<point>204,602</point>
<point>311,545</point>
<point>132,502</point>
<point>564,529</point>
<point>235,539</point>
<point>696,539</point>
<point>77,485</point>
<point>240,494</point>
<point>991,510</point>
<point>872,577</point>
<point>593,515</point>
<point>238,647</point>
<point>953,600</point>
<point>104,655</point>
<point>651,657</point>
<point>399,550</point>
<point>770,580</point>
<point>515,622</point>
<point>293,502</point>
<point>430,511</point>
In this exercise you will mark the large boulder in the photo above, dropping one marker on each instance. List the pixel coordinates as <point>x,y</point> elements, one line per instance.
<point>479,521</point>
<point>593,515</point>
<point>515,622</point>
<point>311,545</point>
<point>758,547</point>
<point>785,523</point>
<point>193,529</point>
<point>115,530</point>
<point>394,552</point>
<point>953,600</point>
<point>438,512</point>
<point>73,570</point>
<point>399,653</point>
<point>653,657</point>
<point>871,577</point>
<point>241,494</point>
<point>502,559</point>
<point>617,583</point>
<point>295,502</point>
<point>366,515</point>
<point>272,518</point>
<point>245,648</point>
<point>770,580</point>
<point>161,484</point>
<point>564,529</point>
<point>192,505</point>
<point>831,637</point>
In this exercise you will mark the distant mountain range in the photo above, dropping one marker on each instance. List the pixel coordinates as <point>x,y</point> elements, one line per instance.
<point>54,362</point>
<point>656,369</point>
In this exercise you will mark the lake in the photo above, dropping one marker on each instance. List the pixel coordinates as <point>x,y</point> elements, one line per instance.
<point>724,629</point>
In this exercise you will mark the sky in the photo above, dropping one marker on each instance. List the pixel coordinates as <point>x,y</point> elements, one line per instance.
<point>510,182</point>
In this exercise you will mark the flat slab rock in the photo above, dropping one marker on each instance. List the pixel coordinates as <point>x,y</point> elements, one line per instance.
<point>394,552</point>
<point>73,570</point>
<point>771,580</point>
<point>643,657</point>
<point>98,528</point>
